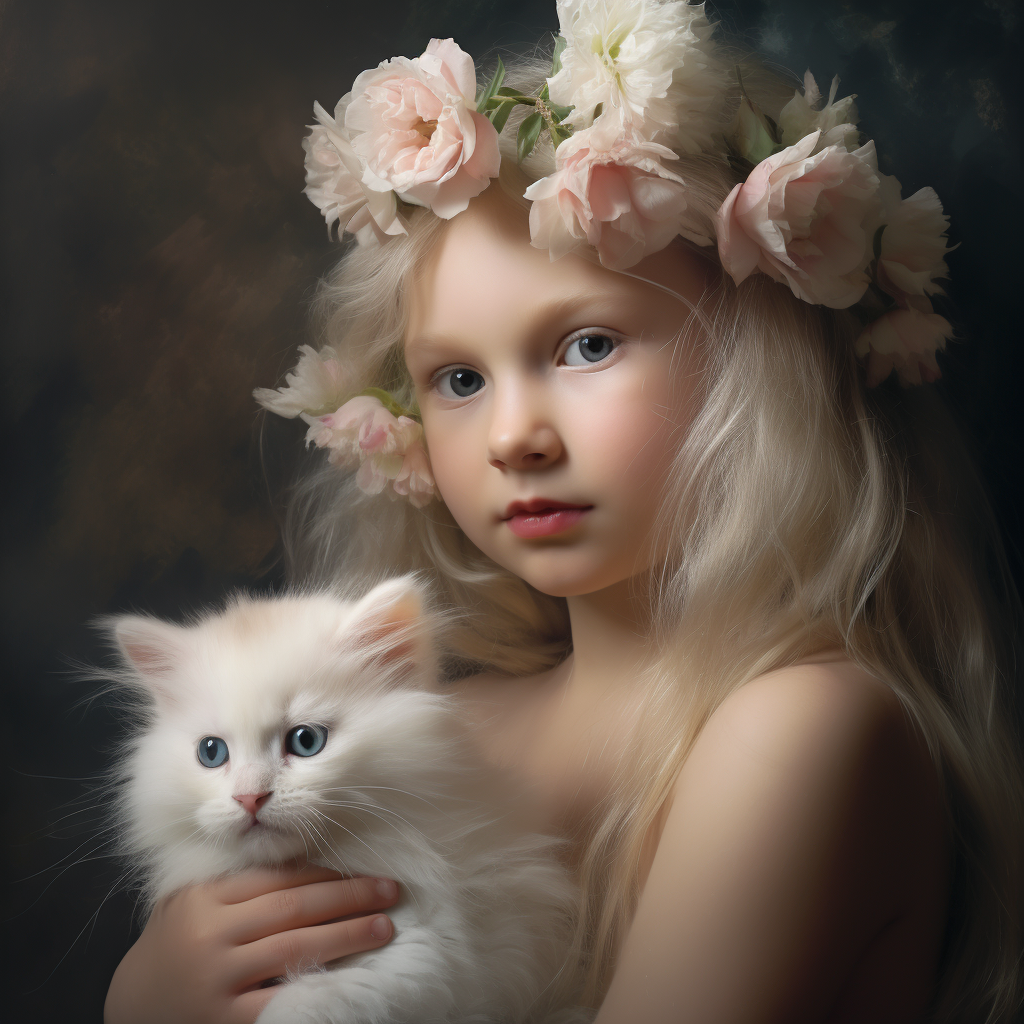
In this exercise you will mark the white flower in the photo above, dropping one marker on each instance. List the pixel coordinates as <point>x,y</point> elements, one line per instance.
<point>334,182</point>
<point>317,382</point>
<point>836,121</point>
<point>647,63</point>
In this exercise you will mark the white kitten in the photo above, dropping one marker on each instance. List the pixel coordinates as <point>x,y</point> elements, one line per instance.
<point>316,719</point>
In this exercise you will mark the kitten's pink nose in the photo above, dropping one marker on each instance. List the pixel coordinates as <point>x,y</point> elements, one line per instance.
<point>252,802</point>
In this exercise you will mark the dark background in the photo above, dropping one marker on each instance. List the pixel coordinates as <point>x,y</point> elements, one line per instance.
<point>158,258</point>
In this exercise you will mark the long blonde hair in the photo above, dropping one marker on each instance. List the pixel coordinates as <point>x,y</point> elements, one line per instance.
<point>805,509</point>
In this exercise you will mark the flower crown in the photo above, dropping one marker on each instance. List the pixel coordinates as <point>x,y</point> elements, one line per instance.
<point>634,84</point>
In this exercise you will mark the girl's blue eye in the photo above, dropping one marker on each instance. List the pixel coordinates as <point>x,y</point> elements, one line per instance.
<point>589,348</point>
<point>305,740</point>
<point>460,383</point>
<point>212,751</point>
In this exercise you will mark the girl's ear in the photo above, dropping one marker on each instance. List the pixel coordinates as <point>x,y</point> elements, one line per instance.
<point>153,650</point>
<point>391,626</point>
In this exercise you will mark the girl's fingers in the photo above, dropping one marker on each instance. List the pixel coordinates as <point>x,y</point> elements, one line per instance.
<point>247,885</point>
<point>304,948</point>
<point>300,906</point>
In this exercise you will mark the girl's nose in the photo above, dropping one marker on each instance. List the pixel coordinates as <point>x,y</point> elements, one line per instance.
<point>521,436</point>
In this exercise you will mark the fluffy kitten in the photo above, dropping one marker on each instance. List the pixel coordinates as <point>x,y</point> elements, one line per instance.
<point>320,713</point>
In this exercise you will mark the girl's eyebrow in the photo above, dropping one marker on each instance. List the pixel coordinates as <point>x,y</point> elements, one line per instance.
<point>554,314</point>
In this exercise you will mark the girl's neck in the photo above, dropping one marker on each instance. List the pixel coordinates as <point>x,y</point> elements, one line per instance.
<point>610,637</point>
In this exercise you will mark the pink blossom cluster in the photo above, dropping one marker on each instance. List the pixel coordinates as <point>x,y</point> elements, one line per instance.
<point>819,217</point>
<point>387,449</point>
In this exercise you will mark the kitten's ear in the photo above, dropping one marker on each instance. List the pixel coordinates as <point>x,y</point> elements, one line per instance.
<point>153,649</point>
<point>392,626</point>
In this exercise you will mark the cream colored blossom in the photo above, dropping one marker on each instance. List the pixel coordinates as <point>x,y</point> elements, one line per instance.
<point>648,64</point>
<point>334,182</point>
<point>317,382</point>
<point>913,243</point>
<point>836,120</point>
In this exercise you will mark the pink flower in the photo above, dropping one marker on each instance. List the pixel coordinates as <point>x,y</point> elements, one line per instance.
<point>613,194</point>
<point>334,182</point>
<point>800,218</point>
<point>905,340</point>
<point>385,447</point>
<point>415,127</point>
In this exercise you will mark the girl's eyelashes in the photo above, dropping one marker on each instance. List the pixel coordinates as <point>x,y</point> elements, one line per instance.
<point>585,348</point>
<point>589,347</point>
<point>458,382</point>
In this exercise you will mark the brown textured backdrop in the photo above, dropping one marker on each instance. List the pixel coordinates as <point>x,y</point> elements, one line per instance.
<point>157,260</point>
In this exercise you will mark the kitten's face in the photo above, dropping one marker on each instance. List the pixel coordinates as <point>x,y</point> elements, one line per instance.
<point>269,718</point>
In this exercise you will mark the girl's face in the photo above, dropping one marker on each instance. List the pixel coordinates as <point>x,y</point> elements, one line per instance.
<point>554,397</point>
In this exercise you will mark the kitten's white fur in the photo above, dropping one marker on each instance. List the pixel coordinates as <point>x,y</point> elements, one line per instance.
<point>483,924</point>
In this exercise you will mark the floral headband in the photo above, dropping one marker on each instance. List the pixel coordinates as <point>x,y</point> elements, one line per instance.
<point>634,84</point>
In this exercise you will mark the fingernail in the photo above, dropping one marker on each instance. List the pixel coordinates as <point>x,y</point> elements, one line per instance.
<point>386,888</point>
<point>381,926</point>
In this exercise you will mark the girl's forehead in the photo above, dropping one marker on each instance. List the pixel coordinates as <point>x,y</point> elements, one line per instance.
<point>485,267</point>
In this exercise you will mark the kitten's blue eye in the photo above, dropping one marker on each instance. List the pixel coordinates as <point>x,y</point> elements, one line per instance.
<point>589,348</point>
<point>459,383</point>
<point>306,740</point>
<point>212,751</point>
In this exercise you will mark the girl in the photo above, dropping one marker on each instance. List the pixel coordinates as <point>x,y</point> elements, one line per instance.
<point>714,572</point>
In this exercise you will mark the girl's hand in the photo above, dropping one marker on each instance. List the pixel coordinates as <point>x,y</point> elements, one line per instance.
<point>207,950</point>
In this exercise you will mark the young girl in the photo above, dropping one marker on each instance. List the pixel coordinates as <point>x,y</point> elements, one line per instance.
<point>716,563</point>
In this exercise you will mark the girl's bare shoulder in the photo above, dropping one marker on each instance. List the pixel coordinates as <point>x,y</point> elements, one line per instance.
<point>805,826</point>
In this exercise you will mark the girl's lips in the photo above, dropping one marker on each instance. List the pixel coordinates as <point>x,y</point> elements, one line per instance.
<point>543,518</point>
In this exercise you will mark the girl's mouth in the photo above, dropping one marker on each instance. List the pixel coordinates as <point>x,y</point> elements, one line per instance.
<point>543,517</point>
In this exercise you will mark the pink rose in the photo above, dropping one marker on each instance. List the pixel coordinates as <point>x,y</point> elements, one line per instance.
<point>385,447</point>
<point>334,182</point>
<point>415,126</point>
<point>800,218</point>
<point>905,340</point>
<point>613,194</point>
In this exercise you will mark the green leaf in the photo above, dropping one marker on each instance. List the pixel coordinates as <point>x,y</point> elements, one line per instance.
<point>556,58</point>
<point>529,133</point>
<point>507,91</point>
<point>876,242</point>
<point>544,93</point>
<point>559,112</point>
<point>752,139</point>
<point>559,135</point>
<point>499,115</point>
<point>492,86</point>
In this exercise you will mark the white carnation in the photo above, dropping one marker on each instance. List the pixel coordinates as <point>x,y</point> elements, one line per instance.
<point>649,66</point>
<point>318,382</point>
